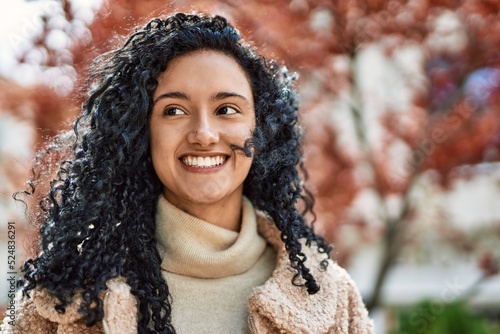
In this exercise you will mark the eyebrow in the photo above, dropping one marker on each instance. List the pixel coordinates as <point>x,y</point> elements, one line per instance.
<point>216,97</point>
<point>172,95</point>
<point>225,95</point>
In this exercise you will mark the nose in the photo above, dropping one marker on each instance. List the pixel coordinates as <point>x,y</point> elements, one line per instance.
<point>203,132</point>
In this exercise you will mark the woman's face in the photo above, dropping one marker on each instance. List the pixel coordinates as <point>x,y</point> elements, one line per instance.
<point>203,104</point>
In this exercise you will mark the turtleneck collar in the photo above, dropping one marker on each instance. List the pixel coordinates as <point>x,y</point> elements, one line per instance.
<point>193,247</point>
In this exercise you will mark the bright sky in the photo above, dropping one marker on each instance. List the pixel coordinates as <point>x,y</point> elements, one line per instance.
<point>19,21</point>
<point>10,16</point>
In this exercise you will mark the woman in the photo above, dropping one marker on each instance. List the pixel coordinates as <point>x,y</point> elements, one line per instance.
<point>177,211</point>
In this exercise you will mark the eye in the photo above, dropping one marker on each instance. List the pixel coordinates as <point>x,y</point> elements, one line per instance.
<point>173,111</point>
<point>226,110</point>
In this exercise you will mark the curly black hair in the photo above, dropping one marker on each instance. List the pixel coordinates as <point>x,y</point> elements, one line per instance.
<point>98,219</point>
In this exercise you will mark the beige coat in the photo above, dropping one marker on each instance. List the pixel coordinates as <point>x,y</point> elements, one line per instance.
<point>275,307</point>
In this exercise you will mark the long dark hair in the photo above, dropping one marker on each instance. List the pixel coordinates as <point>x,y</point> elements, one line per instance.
<point>98,220</point>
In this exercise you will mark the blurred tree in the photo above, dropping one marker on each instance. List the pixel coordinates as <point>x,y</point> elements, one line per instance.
<point>429,317</point>
<point>439,110</point>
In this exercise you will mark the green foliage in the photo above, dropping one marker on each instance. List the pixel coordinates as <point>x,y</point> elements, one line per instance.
<point>435,317</point>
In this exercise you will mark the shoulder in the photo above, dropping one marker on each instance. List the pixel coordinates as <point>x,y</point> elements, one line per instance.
<point>37,311</point>
<point>336,307</point>
<point>350,311</point>
<point>23,317</point>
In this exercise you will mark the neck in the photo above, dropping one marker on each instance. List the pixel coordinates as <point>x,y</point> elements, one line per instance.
<point>225,213</point>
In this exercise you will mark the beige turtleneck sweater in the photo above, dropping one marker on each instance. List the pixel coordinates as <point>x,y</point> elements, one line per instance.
<point>211,271</point>
<point>191,248</point>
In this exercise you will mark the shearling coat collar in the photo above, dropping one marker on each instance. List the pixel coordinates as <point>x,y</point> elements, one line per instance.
<point>275,307</point>
<point>280,307</point>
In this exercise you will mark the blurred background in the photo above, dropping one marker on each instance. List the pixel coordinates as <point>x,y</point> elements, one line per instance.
<point>400,102</point>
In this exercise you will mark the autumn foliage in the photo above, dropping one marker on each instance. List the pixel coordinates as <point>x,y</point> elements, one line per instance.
<point>451,117</point>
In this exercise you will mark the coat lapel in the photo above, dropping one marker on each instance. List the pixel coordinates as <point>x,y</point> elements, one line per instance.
<point>280,307</point>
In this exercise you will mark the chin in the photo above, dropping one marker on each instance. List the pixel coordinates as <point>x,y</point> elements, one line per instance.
<point>204,199</point>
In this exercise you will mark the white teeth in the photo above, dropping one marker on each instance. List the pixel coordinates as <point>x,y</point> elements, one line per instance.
<point>204,162</point>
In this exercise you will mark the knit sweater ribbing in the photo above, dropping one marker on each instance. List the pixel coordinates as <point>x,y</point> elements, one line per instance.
<point>211,271</point>
<point>192,247</point>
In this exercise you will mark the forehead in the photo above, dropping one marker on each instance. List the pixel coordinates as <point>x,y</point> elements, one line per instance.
<point>204,70</point>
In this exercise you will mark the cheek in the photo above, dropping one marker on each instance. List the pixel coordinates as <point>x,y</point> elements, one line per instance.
<point>239,134</point>
<point>162,139</point>
<point>161,150</point>
<point>156,149</point>
<point>243,163</point>
<point>247,166</point>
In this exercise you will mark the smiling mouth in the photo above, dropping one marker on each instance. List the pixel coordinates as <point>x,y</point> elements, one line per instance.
<point>203,162</point>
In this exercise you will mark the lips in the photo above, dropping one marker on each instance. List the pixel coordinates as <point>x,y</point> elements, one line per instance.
<point>203,162</point>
